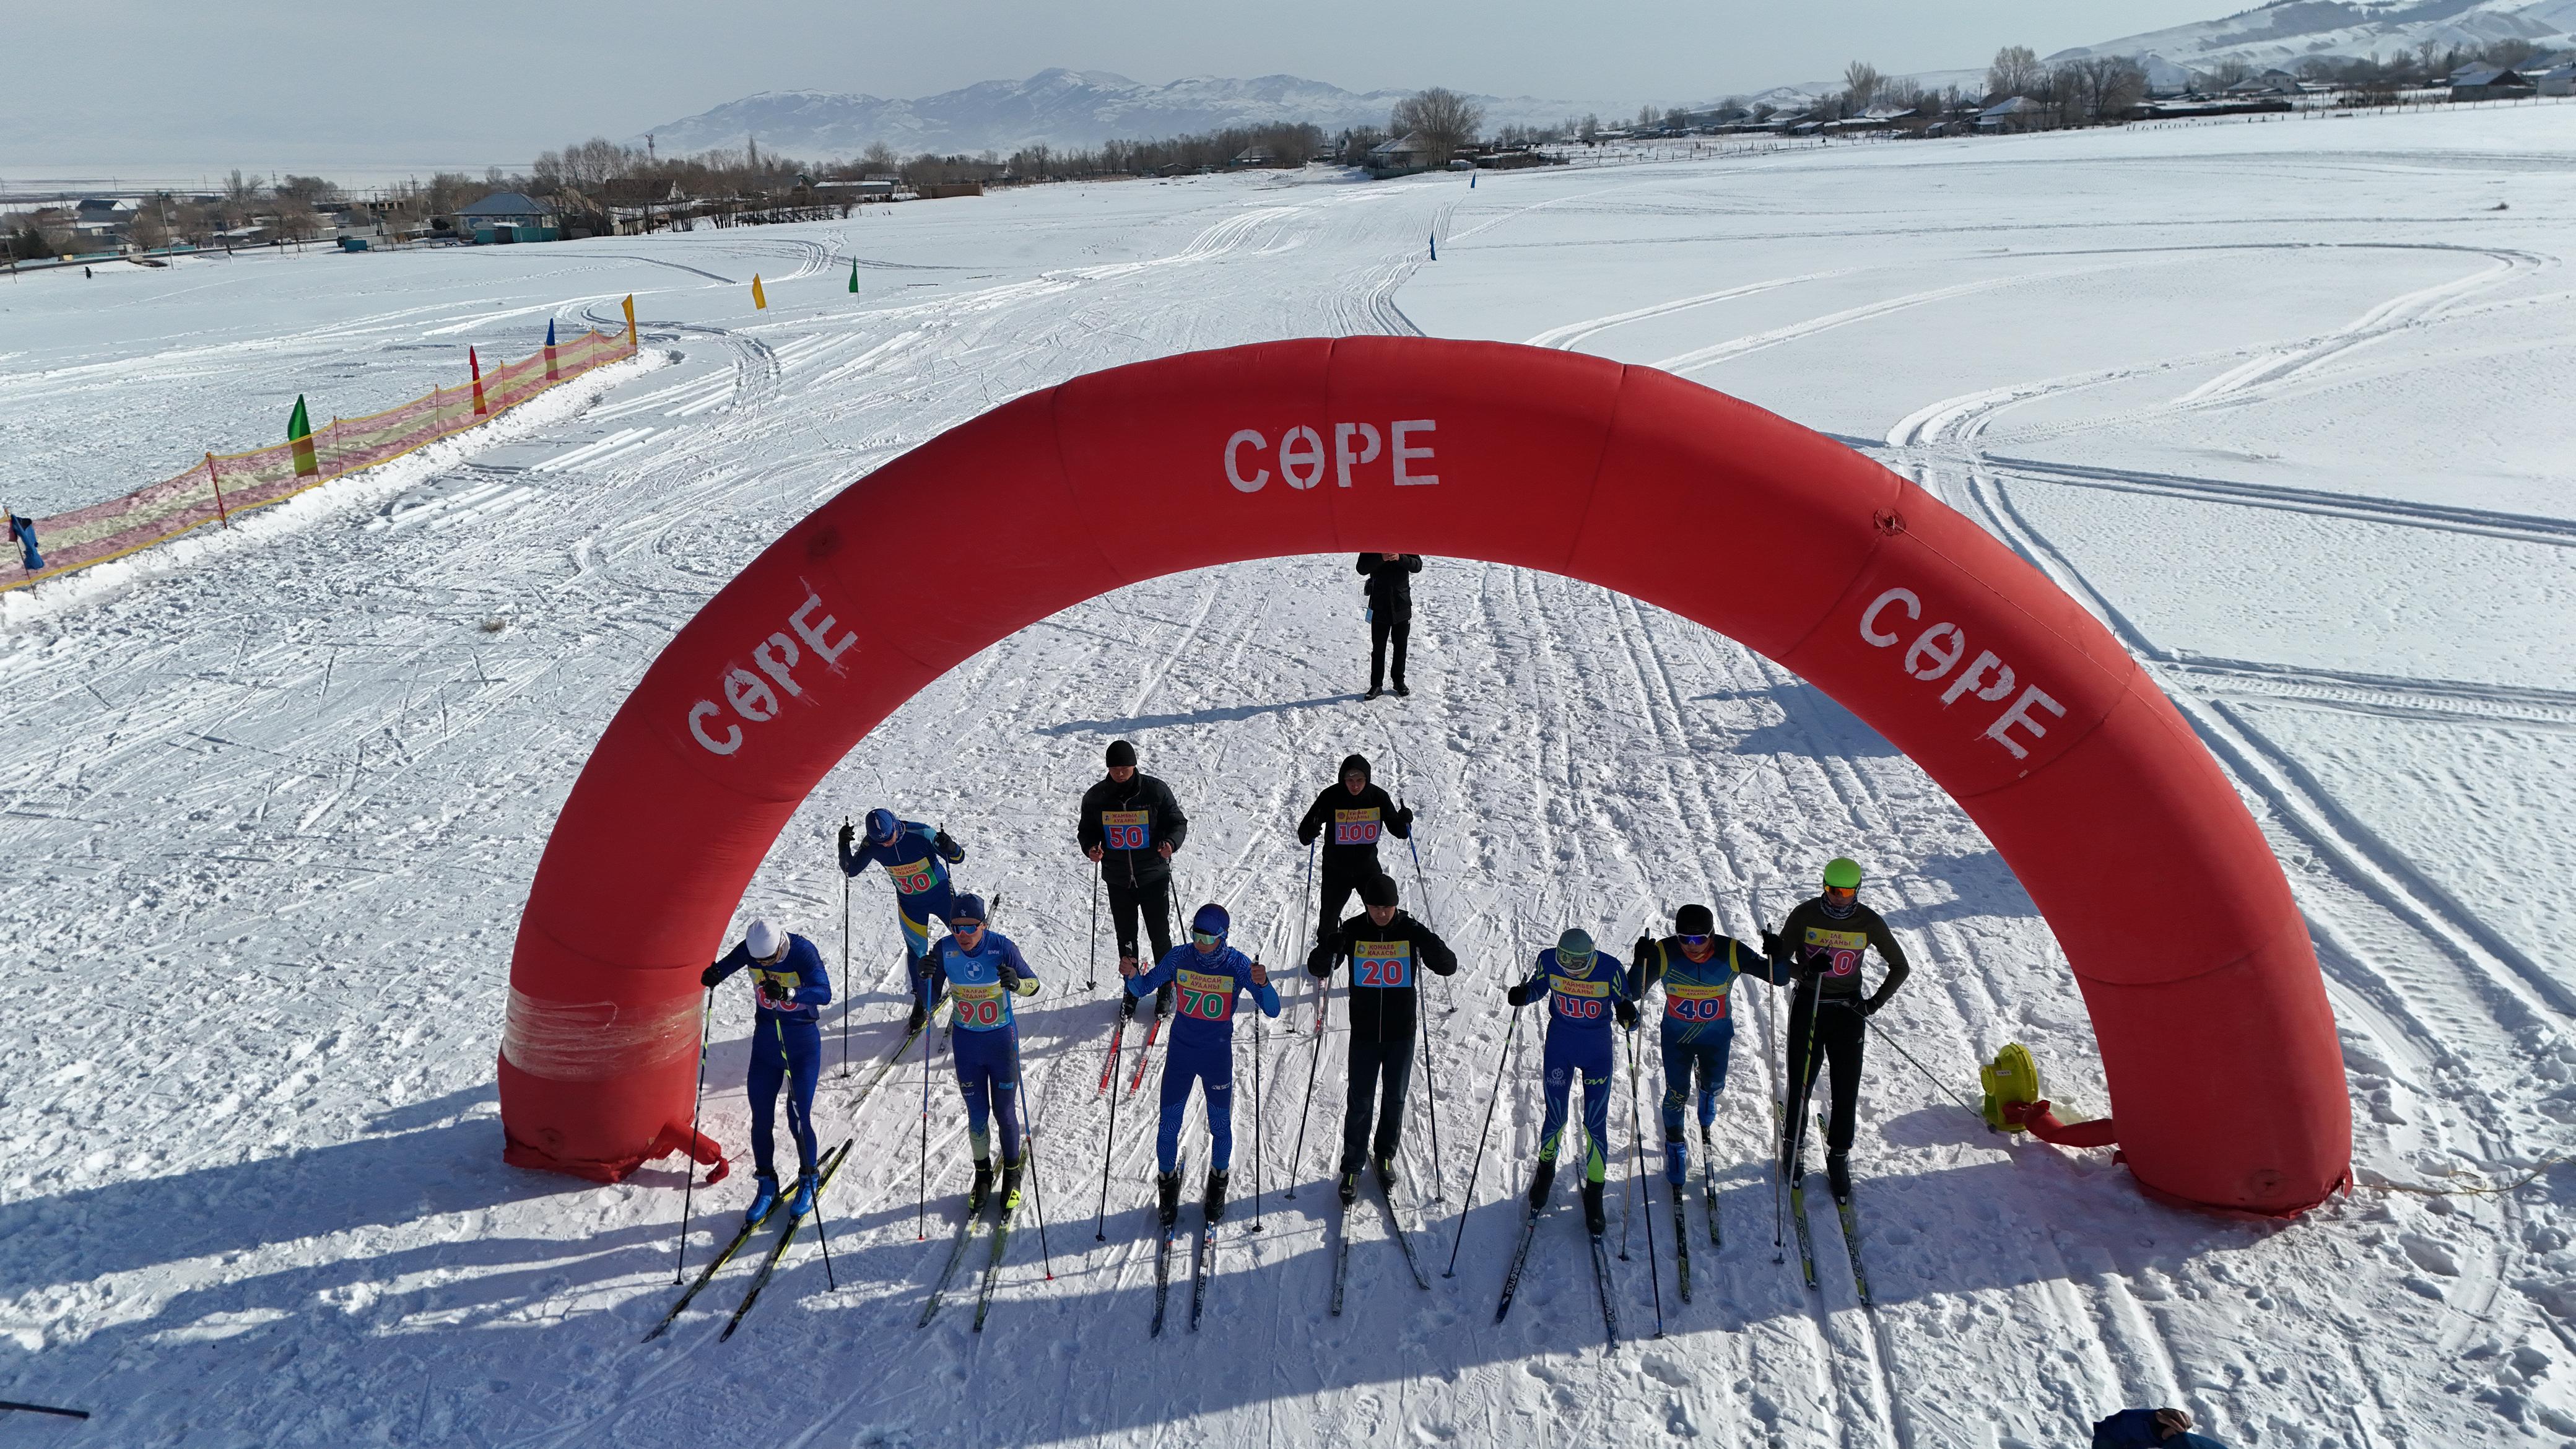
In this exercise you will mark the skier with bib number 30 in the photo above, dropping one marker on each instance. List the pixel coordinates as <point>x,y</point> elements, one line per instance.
<point>1587,991</point>
<point>1823,941</point>
<point>984,971</point>
<point>790,987</point>
<point>1209,974</point>
<point>916,858</point>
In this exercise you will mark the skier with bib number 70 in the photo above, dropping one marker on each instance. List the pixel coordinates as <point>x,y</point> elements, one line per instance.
<point>984,971</point>
<point>916,858</point>
<point>1210,975</point>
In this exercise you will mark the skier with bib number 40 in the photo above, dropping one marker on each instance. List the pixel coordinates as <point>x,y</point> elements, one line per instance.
<point>1209,975</point>
<point>1387,950</point>
<point>984,971</point>
<point>789,987</point>
<point>916,858</point>
<point>1697,968</point>
<point>1823,941</point>
<point>1588,991</point>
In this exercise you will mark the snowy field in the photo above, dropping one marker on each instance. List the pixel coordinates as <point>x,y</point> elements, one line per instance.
<point>2286,404</point>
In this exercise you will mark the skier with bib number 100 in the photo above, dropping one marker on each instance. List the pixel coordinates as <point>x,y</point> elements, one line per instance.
<point>916,858</point>
<point>1210,975</point>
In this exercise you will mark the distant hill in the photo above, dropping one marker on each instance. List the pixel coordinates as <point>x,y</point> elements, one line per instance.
<point>1055,107</point>
<point>2287,31</point>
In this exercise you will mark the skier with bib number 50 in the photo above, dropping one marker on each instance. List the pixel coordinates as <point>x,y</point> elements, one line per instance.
<point>1588,991</point>
<point>1209,975</point>
<point>1387,950</point>
<point>789,987</point>
<point>1823,940</point>
<point>1131,823</point>
<point>984,971</point>
<point>916,858</point>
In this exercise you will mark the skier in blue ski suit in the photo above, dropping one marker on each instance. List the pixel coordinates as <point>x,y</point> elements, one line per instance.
<point>789,988</point>
<point>1697,968</point>
<point>916,858</point>
<point>1210,975</point>
<point>1588,992</point>
<point>2150,1429</point>
<point>984,971</point>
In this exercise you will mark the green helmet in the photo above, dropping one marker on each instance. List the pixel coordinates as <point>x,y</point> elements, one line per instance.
<point>1574,945</point>
<point>1842,873</point>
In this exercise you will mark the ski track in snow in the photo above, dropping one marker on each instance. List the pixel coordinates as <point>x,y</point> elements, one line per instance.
<point>292,782</point>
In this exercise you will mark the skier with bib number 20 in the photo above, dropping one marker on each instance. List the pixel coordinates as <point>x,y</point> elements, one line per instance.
<point>916,858</point>
<point>1587,991</point>
<point>1209,974</point>
<point>1823,941</point>
<point>1387,950</point>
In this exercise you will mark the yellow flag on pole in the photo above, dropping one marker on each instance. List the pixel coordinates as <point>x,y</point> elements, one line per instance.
<point>630,322</point>
<point>758,298</point>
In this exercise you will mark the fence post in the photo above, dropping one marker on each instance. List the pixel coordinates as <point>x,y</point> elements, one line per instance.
<point>221,517</point>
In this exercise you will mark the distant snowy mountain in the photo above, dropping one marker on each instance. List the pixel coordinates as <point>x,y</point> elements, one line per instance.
<point>1054,108</point>
<point>2287,31</point>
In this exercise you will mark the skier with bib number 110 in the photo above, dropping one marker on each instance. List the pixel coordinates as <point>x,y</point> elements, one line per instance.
<point>1210,975</point>
<point>916,858</point>
<point>1588,991</point>
<point>1823,940</point>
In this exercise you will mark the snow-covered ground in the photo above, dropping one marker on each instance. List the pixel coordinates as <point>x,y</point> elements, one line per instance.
<point>2287,404</point>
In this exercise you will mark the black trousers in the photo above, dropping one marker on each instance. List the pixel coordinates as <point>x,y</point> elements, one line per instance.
<point>1152,896</point>
<point>1340,883</point>
<point>1384,624</point>
<point>1380,1069</point>
<point>1840,1033</point>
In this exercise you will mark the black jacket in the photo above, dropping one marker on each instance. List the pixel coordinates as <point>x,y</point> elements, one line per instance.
<point>1162,821</point>
<point>1381,1012</point>
<point>1831,949</point>
<point>1351,849</point>
<point>1390,585</point>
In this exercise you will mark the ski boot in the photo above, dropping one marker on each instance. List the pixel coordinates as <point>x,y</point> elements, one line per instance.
<point>1214,1204</point>
<point>983,1187</point>
<point>1126,998</point>
<point>764,1196</point>
<point>1596,1220</point>
<point>1385,1164</point>
<point>1838,1175</point>
<point>1010,1187</point>
<point>920,1018</point>
<point>1349,1188</point>
<point>1167,1188</point>
<point>1540,1181</point>
<point>801,1201</point>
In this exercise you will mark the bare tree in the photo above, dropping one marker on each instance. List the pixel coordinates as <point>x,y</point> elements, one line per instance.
<point>2015,72</point>
<point>879,159</point>
<point>2224,74</point>
<point>311,190</point>
<point>2099,88</point>
<point>1861,81</point>
<point>148,231</point>
<point>297,220</point>
<point>1446,121</point>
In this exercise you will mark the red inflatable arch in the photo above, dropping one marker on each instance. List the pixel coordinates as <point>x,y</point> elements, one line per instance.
<point>2211,1015</point>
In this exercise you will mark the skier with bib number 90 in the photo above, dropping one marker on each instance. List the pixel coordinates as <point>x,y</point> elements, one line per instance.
<point>1387,949</point>
<point>1697,968</point>
<point>1823,941</point>
<point>916,858</point>
<point>1209,974</point>
<point>1588,991</point>
<point>790,988</point>
<point>984,971</point>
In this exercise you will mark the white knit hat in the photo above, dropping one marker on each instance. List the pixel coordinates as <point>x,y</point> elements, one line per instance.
<point>764,939</point>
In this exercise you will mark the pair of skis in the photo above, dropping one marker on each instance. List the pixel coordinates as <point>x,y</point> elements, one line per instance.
<point>1600,1274</point>
<point>1395,1225</point>
<point>1806,1239</point>
<point>1145,1053</point>
<point>1708,1201</point>
<point>957,1252</point>
<point>768,1266</point>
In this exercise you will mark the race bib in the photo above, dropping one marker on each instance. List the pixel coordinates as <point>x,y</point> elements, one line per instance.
<point>1382,963</point>
<point>979,1008</point>
<point>1206,995</point>
<point>1355,827</point>
<point>1843,946</point>
<point>1579,1000</point>
<point>1126,829</point>
<point>1694,1003</point>
<point>913,879</point>
<point>765,984</point>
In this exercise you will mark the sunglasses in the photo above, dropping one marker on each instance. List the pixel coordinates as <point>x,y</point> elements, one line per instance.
<point>965,928</point>
<point>1206,938</point>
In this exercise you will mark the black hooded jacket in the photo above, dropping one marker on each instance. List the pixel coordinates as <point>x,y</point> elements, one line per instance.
<point>1355,821</point>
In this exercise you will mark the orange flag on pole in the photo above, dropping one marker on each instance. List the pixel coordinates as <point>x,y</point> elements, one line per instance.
<point>630,321</point>
<point>758,298</point>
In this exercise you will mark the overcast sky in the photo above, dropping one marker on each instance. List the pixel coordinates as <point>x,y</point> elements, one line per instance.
<point>265,83</point>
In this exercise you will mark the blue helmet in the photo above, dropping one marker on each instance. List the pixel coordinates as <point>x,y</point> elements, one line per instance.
<point>882,825</point>
<point>1212,919</point>
<point>966,908</point>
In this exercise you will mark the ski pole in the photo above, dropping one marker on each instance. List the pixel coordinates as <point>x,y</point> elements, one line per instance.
<point>1628,1180</point>
<point>1890,1039</point>
<point>921,1207</point>
<point>1314,1064</point>
<point>1430,1068</point>
<point>1117,1036</point>
<point>1637,1168</point>
<point>1260,1134</point>
<point>1093,984</point>
<point>829,1282</point>
<point>846,1006</point>
<point>706,1023</point>
<point>15,1407</point>
<point>1500,1068</point>
<point>1037,1193</point>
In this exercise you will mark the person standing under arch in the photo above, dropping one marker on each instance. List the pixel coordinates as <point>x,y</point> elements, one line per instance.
<point>1823,941</point>
<point>1390,613</point>
<point>1131,824</point>
<point>1210,975</point>
<point>789,990</point>
<point>916,858</point>
<point>1357,812</point>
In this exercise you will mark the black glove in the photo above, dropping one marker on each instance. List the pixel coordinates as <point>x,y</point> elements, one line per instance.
<point>948,849</point>
<point>1306,834</point>
<point>1770,944</point>
<point>1626,1011</point>
<point>849,836</point>
<point>1009,978</point>
<point>1319,962</point>
<point>1642,952</point>
<point>775,995</point>
<point>711,977</point>
<point>1517,994</point>
<point>1404,818</point>
<point>1871,1006</point>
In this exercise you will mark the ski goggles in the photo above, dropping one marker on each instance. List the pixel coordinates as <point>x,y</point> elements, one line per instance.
<point>1206,938</point>
<point>1842,895</point>
<point>1693,940</point>
<point>965,928</point>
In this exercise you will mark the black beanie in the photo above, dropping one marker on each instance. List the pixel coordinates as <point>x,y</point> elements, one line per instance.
<point>1694,921</point>
<point>1355,762</point>
<point>1378,890</point>
<point>1122,753</point>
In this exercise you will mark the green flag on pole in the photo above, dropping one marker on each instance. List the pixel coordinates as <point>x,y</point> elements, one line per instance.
<point>854,274</point>
<point>299,434</point>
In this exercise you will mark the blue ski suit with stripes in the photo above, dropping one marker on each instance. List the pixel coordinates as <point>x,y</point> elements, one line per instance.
<point>919,870</point>
<point>1580,1018</point>
<point>786,1044</point>
<point>1202,1049</point>
<point>986,1044</point>
<point>1699,1025</point>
